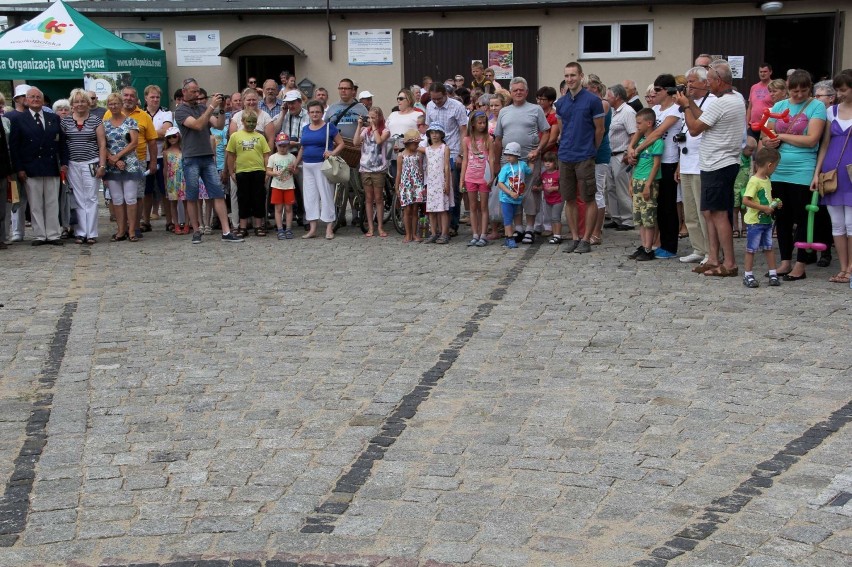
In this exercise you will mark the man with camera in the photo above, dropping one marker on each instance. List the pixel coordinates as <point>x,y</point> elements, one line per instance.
<point>722,122</point>
<point>199,162</point>
<point>689,173</point>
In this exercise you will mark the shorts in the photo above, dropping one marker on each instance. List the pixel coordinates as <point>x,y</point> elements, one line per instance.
<point>376,179</point>
<point>477,187</point>
<point>758,237</point>
<point>156,184</point>
<point>509,210</point>
<point>282,196</point>
<point>645,212</point>
<point>580,173</point>
<point>717,188</point>
<point>202,168</point>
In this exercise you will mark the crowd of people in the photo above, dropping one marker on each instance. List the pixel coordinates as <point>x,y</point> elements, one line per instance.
<point>697,160</point>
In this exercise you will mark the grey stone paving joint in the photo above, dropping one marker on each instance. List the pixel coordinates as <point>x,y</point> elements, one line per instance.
<point>721,509</point>
<point>354,479</point>
<point>14,504</point>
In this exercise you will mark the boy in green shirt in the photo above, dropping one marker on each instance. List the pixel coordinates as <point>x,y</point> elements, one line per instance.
<point>646,176</point>
<point>760,207</point>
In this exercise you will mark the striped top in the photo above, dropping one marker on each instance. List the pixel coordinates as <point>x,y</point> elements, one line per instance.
<point>82,142</point>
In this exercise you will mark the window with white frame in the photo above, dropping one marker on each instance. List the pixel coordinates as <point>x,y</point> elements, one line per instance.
<point>622,40</point>
<point>148,38</point>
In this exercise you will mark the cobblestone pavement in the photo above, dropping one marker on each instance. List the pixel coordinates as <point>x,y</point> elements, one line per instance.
<point>365,402</point>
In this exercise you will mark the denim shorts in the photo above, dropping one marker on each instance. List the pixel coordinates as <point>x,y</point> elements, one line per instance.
<point>203,167</point>
<point>509,211</point>
<point>758,237</point>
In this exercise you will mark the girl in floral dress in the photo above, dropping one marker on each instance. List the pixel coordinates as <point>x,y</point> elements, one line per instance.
<point>409,183</point>
<point>173,172</point>
<point>438,195</point>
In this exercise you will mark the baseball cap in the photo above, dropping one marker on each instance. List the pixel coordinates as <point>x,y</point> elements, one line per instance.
<point>291,96</point>
<point>173,131</point>
<point>512,149</point>
<point>365,94</point>
<point>21,90</point>
<point>282,139</point>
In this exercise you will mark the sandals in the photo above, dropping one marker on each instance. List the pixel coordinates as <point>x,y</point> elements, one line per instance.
<point>241,232</point>
<point>170,227</point>
<point>260,231</point>
<point>555,240</point>
<point>722,272</point>
<point>443,240</point>
<point>145,226</point>
<point>701,268</point>
<point>79,240</point>
<point>736,234</point>
<point>595,240</point>
<point>117,238</point>
<point>840,277</point>
<point>132,238</point>
<point>528,237</point>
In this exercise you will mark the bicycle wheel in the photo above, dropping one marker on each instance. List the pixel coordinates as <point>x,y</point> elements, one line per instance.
<point>341,190</point>
<point>396,214</point>
<point>389,195</point>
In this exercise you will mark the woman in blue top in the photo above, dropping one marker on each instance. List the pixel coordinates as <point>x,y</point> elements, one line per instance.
<point>798,141</point>
<point>319,140</point>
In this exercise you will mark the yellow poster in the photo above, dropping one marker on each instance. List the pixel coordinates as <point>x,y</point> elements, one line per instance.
<point>501,59</point>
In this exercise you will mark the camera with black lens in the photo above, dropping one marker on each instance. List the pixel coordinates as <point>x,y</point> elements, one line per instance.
<point>680,137</point>
<point>677,89</point>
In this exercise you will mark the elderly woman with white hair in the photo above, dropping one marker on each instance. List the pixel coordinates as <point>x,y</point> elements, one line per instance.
<point>62,108</point>
<point>87,157</point>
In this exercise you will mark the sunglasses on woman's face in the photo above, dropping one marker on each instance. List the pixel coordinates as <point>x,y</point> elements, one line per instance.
<point>400,98</point>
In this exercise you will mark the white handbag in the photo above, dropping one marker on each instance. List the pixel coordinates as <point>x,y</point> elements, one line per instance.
<point>334,168</point>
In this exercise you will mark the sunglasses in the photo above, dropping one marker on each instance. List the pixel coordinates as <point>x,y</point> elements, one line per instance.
<point>658,89</point>
<point>400,98</point>
<point>173,136</point>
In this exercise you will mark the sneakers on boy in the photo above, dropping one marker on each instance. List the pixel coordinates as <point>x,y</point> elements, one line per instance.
<point>196,237</point>
<point>510,243</point>
<point>571,246</point>
<point>230,237</point>
<point>749,281</point>
<point>288,234</point>
<point>635,254</point>
<point>281,235</point>
<point>774,281</point>
<point>584,247</point>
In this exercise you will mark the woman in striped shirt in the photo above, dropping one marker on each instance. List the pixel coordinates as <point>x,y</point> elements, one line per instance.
<point>86,141</point>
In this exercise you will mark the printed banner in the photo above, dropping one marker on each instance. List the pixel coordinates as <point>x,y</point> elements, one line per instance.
<point>501,59</point>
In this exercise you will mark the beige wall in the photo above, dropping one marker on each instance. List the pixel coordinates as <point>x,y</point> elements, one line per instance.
<point>558,40</point>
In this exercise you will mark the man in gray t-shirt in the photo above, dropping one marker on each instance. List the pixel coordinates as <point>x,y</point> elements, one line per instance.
<point>344,114</point>
<point>522,122</point>
<point>194,120</point>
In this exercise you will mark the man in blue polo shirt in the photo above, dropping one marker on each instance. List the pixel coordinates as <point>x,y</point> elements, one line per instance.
<point>580,115</point>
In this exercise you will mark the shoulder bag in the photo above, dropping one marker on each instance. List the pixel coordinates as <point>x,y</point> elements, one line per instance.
<point>827,182</point>
<point>334,168</point>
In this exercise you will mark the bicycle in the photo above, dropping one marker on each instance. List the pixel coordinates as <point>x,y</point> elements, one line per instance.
<point>342,194</point>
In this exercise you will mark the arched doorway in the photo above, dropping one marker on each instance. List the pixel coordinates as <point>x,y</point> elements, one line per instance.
<point>263,57</point>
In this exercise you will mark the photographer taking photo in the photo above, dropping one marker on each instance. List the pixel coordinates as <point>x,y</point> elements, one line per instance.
<point>722,122</point>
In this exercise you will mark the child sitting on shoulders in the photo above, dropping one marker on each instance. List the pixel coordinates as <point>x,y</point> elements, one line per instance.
<point>760,208</point>
<point>646,185</point>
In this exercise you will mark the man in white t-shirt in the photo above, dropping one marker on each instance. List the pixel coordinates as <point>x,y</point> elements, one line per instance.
<point>722,123</point>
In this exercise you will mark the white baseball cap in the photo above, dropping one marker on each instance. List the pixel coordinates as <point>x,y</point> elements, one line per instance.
<point>365,94</point>
<point>21,90</point>
<point>512,149</point>
<point>292,95</point>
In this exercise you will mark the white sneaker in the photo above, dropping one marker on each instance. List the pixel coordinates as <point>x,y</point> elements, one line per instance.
<point>16,238</point>
<point>691,258</point>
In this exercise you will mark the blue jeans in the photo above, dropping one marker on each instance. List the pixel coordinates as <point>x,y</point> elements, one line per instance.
<point>455,212</point>
<point>205,168</point>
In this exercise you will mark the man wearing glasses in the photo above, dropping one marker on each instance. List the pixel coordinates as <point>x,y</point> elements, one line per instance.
<point>346,113</point>
<point>194,120</point>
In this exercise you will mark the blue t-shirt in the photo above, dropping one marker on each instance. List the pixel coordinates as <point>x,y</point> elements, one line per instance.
<point>797,164</point>
<point>577,141</point>
<point>514,177</point>
<point>313,142</point>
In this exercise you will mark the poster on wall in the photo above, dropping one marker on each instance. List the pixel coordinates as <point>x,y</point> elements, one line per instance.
<point>370,47</point>
<point>103,83</point>
<point>737,62</point>
<point>200,48</point>
<point>501,59</point>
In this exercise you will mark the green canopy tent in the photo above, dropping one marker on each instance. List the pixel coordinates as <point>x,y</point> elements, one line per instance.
<point>57,48</point>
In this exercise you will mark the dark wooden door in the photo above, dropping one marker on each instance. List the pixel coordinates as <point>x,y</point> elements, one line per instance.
<point>733,36</point>
<point>443,53</point>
